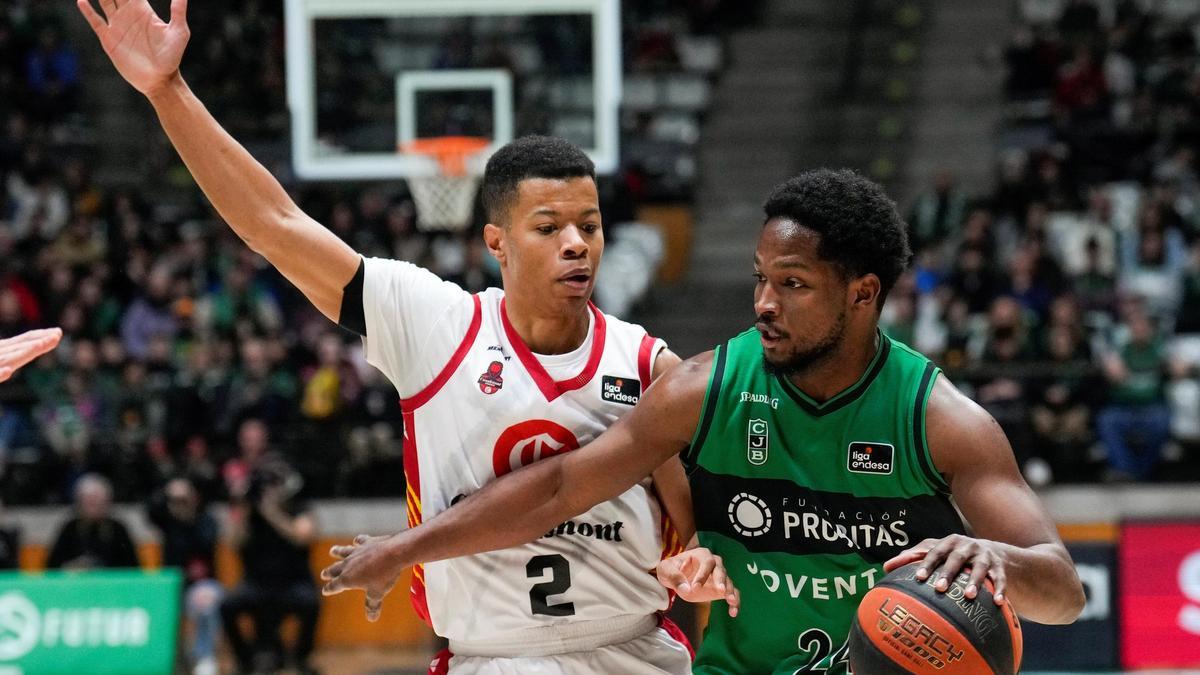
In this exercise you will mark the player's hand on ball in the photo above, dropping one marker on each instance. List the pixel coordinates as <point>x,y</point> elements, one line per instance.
<point>20,350</point>
<point>944,558</point>
<point>698,575</point>
<point>366,564</point>
<point>145,50</point>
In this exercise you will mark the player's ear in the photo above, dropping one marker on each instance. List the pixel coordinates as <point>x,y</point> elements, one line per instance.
<point>865,290</point>
<point>493,237</point>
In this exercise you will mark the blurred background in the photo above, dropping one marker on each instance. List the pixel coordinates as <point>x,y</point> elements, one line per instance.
<point>201,416</point>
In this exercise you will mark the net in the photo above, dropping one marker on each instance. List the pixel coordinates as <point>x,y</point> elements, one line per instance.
<point>445,200</point>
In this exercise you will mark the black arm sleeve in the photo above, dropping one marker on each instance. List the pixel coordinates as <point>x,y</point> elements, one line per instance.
<point>351,316</point>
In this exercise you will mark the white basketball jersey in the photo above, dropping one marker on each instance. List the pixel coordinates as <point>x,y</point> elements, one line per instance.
<point>494,407</point>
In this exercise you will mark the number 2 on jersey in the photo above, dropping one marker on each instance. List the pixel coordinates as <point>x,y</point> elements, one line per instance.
<point>560,581</point>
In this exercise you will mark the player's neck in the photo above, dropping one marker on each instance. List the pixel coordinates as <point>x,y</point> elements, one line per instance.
<point>839,369</point>
<point>548,332</point>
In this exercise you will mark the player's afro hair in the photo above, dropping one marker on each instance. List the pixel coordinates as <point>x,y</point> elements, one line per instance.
<point>860,230</point>
<point>525,158</point>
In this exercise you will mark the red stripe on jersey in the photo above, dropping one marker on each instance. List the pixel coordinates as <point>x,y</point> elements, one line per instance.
<point>645,357</point>
<point>551,389</point>
<point>676,632</point>
<point>412,489</point>
<point>441,663</point>
<point>422,397</point>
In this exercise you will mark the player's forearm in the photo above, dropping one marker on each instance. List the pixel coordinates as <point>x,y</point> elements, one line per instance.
<point>252,202</point>
<point>1043,585</point>
<point>509,511</point>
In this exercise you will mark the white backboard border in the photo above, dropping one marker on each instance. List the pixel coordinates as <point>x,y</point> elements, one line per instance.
<point>312,161</point>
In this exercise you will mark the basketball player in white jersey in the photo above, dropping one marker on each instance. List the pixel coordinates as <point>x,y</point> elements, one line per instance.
<point>488,382</point>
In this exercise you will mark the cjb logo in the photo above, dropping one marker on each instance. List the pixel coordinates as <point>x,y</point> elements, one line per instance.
<point>756,442</point>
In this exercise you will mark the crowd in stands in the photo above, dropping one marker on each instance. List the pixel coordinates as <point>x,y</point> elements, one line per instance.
<point>1067,301</point>
<point>184,353</point>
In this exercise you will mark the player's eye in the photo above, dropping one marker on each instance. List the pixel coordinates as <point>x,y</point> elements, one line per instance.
<point>590,228</point>
<point>759,277</point>
<point>546,229</point>
<point>795,283</point>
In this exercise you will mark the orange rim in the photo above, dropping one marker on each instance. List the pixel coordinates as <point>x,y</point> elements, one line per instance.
<point>451,152</point>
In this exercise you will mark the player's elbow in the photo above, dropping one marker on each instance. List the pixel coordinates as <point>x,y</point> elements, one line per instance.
<point>1071,600</point>
<point>1075,600</point>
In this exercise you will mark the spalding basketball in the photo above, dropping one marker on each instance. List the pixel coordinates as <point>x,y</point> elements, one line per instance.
<point>905,626</point>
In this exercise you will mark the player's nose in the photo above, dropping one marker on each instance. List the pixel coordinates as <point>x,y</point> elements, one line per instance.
<point>573,243</point>
<point>766,302</point>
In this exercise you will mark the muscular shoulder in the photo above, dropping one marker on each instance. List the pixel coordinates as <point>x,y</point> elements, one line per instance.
<point>684,383</point>
<point>962,435</point>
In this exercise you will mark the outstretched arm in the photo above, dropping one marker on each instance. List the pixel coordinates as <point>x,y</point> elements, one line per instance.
<point>17,351</point>
<point>1016,544</point>
<point>523,505</point>
<point>147,51</point>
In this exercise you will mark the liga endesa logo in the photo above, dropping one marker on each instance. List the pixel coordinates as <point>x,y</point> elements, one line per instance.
<point>526,442</point>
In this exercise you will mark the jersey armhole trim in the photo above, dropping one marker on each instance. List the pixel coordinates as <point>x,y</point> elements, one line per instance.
<point>422,397</point>
<point>920,440</point>
<point>711,398</point>
<point>646,354</point>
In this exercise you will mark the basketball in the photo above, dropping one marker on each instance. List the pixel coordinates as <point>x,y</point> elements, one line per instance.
<point>905,626</point>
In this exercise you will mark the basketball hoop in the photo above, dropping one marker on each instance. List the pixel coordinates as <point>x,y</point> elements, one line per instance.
<point>445,200</point>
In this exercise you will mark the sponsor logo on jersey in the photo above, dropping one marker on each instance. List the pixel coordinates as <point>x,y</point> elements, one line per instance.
<point>817,588</point>
<point>749,515</point>
<point>527,442</point>
<point>756,442</point>
<point>598,531</point>
<point>748,397</point>
<point>873,458</point>
<point>624,390</point>
<point>491,380</point>
<point>808,521</point>
<point>498,348</point>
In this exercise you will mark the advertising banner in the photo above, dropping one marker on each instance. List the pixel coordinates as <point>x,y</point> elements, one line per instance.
<point>92,622</point>
<point>1160,595</point>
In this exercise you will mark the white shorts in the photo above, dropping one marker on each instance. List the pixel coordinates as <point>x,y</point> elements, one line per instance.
<point>653,652</point>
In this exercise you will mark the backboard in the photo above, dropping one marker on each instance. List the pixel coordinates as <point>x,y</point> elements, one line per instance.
<point>367,76</point>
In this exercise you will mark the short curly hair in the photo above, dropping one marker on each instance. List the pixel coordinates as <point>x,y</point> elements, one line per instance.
<point>525,158</point>
<point>860,229</point>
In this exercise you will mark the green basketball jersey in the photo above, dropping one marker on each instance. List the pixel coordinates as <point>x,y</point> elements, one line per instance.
<point>805,501</point>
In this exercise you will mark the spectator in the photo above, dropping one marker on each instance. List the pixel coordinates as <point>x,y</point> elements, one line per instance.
<point>1135,423</point>
<point>149,316</point>
<point>938,212</point>
<point>259,389</point>
<point>10,545</point>
<point>53,76</point>
<point>189,542</point>
<point>92,539</point>
<point>272,528</point>
<point>1061,412</point>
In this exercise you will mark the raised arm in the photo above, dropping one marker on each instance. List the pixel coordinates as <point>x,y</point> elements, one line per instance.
<point>146,51</point>
<point>523,505</point>
<point>1015,542</point>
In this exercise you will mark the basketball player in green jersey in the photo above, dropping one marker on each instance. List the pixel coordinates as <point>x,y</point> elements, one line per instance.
<point>821,454</point>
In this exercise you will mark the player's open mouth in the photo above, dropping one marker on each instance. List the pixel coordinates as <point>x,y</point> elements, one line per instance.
<point>768,334</point>
<point>578,279</point>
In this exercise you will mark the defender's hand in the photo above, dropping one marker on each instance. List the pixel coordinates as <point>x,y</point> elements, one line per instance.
<point>20,350</point>
<point>945,558</point>
<point>366,564</point>
<point>698,575</point>
<point>145,50</point>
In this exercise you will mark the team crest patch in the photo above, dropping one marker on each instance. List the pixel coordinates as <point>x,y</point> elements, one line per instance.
<point>756,442</point>
<point>624,390</point>
<point>491,381</point>
<point>870,458</point>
